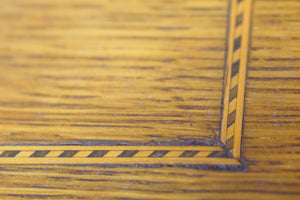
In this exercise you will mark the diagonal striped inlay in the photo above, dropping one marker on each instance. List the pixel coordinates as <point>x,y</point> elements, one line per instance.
<point>114,155</point>
<point>233,93</point>
<point>68,154</point>
<point>9,153</point>
<point>158,154</point>
<point>189,154</point>
<point>128,153</point>
<point>231,118</point>
<point>237,43</point>
<point>233,102</point>
<point>98,154</point>
<point>217,154</point>
<point>39,154</point>
<point>235,68</point>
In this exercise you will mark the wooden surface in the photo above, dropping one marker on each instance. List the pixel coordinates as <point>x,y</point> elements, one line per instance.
<point>136,71</point>
<point>74,75</point>
<point>148,82</point>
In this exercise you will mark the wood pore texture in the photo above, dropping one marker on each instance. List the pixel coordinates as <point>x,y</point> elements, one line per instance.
<point>147,72</point>
<point>138,71</point>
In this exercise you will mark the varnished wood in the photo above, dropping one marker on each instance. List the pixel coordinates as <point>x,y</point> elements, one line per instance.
<point>136,72</point>
<point>21,156</point>
<point>229,143</point>
<point>59,87</point>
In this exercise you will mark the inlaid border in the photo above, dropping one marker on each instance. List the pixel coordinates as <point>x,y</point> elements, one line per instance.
<point>228,153</point>
<point>235,76</point>
<point>114,155</point>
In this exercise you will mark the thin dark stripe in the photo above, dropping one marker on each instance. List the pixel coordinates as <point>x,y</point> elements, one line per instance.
<point>68,154</point>
<point>97,154</point>
<point>158,154</point>
<point>233,93</point>
<point>128,153</point>
<point>189,154</point>
<point>217,154</point>
<point>39,153</point>
<point>235,68</point>
<point>9,153</point>
<point>231,118</point>
<point>237,43</point>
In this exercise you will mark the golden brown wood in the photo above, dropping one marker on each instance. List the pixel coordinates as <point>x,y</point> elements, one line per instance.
<point>81,72</point>
<point>137,71</point>
<point>228,147</point>
<point>99,127</point>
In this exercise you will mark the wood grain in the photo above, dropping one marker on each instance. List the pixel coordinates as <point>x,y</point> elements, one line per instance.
<point>82,73</point>
<point>229,143</point>
<point>270,148</point>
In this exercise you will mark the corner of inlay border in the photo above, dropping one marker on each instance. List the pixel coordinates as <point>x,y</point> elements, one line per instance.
<point>235,76</point>
<point>231,126</point>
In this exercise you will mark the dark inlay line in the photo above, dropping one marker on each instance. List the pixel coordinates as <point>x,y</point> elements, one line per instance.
<point>231,118</point>
<point>233,93</point>
<point>217,154</point>
<point>239,19</point>
<point>9,153</point>
<point>67,154</point>
<point>189,154</point>
<point>229,143</point>
<point>158,154</point>
<point>235,68</point>
<point>237,43</point>
<point>97,154</point>
<point>239,1</point>
<point>39,153</point>
<point>128,153</point>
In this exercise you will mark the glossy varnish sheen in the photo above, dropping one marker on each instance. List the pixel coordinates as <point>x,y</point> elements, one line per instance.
<point>270,145</point>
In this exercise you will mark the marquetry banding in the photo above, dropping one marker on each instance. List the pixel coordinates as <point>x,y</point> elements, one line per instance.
<point>124,156</point>
<point>236,74</point>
